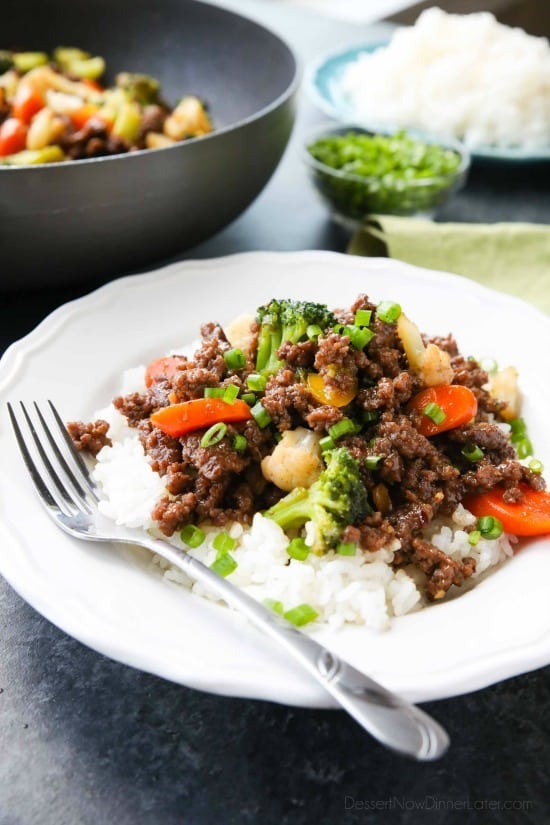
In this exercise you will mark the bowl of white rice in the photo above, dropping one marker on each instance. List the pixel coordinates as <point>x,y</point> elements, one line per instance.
<point>462,77</point>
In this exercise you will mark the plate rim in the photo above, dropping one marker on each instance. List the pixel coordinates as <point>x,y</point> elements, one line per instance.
<point>525,657</point>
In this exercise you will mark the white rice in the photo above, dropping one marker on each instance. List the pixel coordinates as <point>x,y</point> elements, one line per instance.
<point>362,590</point>
<point>458,76</point>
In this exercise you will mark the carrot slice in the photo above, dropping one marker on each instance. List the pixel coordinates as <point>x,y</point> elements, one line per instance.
<point>13,136</point>
<point>457,403</point>
<point>179,419</point>
<point>528,517</point>
<point>162,368</point>
<point>86,112</point>
<point>26,103</point>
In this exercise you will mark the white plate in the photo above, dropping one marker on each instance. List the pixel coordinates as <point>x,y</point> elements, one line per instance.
<point>108,600</point>
<point>323,82</point>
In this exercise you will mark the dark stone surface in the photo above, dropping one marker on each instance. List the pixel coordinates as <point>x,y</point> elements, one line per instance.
<point>87,741</point>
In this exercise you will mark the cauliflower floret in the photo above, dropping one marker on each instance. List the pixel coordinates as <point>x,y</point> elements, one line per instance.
<point>189,119</point>
<point>504,386</point>
<point>46,128</point>
<point>240,332</point>
<point>432,364</point>
<point>296,460</point>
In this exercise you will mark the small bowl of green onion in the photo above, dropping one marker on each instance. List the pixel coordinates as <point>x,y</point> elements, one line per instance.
<point>392,172</point>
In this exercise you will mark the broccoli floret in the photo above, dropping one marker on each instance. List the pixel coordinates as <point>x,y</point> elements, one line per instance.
<point>286,320</point>
<point>142,88</point>
<point>338,498</point>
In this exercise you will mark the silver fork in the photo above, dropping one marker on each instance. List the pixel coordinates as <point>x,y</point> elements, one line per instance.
<point>67,490</point>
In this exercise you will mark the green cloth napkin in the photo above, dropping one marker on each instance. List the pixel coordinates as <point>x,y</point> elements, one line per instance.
<point>510,257</point>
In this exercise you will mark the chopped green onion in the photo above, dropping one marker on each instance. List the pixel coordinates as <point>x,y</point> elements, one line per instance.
<point>338,328</point>
<point>372,461</point>
<point>261,415</point>
<point>347,548</point>
<point>214,392</point>
<point>235,359</point>
<point>369,416</point>
<point>240,443</point>
<point>388,312</point>
<point>313,332</point>
<point>256,382</point>
<point>363,317</point>
<point>275,605</point>
<point>518,426</point>
<point>249,398</point>
<point>214,434</point>
<point>489,527</point>
<point>472,452</point>
<point>519,438</point>
<point>434,412</point>
<point>343,427</point>
<point>224,565</point>
<point>192,536</point>
<point>298,549</point>
<point>326,443</point>
<point>224,543</point>
<point>523,447</point>
<point>536,466</point>
<point>359,336</point>
<point>301,615</point>
<point>230,394</point>
<point>489,365</point>
<point>474,537</point>
<point>386,171</point>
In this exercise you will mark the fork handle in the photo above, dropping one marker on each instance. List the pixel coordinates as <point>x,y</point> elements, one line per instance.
<point>399,725</point>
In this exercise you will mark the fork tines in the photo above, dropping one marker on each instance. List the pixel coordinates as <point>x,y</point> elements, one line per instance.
<point>58,471</point>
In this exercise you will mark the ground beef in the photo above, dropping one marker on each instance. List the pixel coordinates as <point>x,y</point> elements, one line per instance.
<point>139,406</point>
<point>372,534</point>
<point>484,435</point>
<point>212,462</point>
<point>89,437</point>
<point>333,351</point>
<point>334,360</point>
<point>161,449</point>
<point>287,401</point>
<point>260,442</point>
<point>216,484</point>
<point>190,382</point>
<point>92,141</point>
<point>408,521</point>
<point>410,479</point>
<point>297,355</point>
<point>447,344</point>
<point>468,373</point>
<point>152,120</point>
<point>388,393</point>
<point>509,474</point>
<point>441,570</point>
<point>323,417</point>
<point>347,316</point>
<point>173,514</point>
<point>210,353</point>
